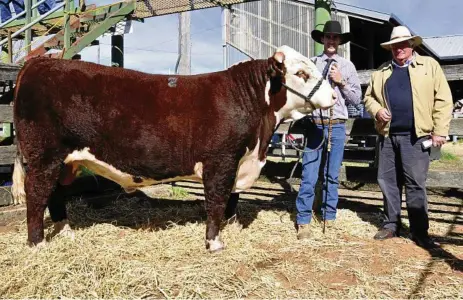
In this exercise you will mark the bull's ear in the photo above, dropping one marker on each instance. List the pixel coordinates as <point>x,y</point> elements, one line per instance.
<point>277,67</point>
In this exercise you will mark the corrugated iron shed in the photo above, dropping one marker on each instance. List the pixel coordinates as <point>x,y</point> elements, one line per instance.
<point>446,47</point>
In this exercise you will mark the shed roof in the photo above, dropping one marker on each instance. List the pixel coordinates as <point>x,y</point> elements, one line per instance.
<point>446,47</point>
<point>442,47</point>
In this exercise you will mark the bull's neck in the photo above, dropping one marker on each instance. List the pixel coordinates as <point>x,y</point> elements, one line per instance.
<point>250,78</point>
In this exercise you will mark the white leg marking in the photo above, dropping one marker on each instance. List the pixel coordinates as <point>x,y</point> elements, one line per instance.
<point>39,246</point>
<point>215,244</point>
<point>19,194</point>
<point>63,229</point>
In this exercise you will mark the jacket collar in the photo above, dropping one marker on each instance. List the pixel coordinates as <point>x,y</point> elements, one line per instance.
<point>417,60</point>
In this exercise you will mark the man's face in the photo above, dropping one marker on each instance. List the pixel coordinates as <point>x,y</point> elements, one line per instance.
<point>402,51</point>
<point>331,42</point>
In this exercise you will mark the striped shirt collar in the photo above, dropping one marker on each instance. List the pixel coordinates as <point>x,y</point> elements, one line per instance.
<point>335,57</point>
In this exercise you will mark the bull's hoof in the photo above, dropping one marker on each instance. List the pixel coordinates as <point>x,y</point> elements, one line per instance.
<point>231,220</point>
<point>215,245</point>
<point>37,246</point>
<point>63,229</point>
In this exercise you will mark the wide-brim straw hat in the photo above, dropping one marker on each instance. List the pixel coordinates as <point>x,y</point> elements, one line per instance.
<point>400,34</point>
<point>331,27</point>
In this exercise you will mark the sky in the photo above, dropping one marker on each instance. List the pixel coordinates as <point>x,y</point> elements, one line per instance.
<point>152,47</point>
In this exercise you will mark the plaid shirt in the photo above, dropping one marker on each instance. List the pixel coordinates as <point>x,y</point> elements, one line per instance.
<point>355,111</point>
<point>351,93</point>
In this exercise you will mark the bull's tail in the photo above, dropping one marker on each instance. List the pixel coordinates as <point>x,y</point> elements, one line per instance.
<point>19,174</point>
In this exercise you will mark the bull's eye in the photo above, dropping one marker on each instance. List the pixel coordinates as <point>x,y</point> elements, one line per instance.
<point>300,73</point>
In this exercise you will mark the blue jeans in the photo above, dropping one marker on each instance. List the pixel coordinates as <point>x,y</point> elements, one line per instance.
<point>310,169</point>
<point>18,6</point>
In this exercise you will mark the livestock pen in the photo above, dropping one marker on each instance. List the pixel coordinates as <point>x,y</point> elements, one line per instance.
<point>146,245</point>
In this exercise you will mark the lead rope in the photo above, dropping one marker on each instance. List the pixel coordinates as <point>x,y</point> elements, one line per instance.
<point>328,151</point>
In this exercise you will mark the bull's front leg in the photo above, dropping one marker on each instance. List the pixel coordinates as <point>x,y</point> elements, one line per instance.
<point>219,178</point>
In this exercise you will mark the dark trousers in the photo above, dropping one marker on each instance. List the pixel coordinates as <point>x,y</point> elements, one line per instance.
<point>403,163</point>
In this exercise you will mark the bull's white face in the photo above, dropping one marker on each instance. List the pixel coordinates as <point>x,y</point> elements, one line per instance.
<point>302,75</point>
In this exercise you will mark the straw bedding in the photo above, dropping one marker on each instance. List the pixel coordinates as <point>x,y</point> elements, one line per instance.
<point>137,247</point>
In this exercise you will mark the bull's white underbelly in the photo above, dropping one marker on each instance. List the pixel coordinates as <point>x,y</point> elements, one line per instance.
<point>248,172</point>
<point>125,180</point>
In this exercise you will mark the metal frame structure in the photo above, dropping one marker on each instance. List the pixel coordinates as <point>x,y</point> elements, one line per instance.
<point>257,29</point>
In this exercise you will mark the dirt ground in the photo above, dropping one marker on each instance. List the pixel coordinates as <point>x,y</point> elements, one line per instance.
<point>134,246</point>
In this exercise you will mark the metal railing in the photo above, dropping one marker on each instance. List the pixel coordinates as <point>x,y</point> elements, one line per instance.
<point>32,23</point>
<point>32,17</point>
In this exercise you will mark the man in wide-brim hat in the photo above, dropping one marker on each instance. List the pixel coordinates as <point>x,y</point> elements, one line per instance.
<point>411,102</point>
<point>400,34</point>
<point>331,27</point>
<point>342,74</point>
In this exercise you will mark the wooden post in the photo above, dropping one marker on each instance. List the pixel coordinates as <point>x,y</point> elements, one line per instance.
<point>117,51</point>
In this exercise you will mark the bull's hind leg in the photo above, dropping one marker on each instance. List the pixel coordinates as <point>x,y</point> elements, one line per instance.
<point>40,184</point>
<point>58,214</point>
<point>230,210</point>
<point>219,178</point>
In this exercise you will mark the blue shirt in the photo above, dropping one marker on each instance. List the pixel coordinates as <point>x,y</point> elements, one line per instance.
<point>350,93</point>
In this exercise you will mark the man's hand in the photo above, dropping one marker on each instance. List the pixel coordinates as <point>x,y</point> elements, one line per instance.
<point>383,115</point>
<point>335,75</point>
<point>438,141</point>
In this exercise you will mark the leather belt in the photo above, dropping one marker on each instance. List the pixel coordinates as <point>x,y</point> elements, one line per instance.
<point>327,121</point>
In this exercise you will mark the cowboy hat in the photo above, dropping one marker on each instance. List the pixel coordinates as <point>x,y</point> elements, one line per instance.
<point>331,27</point>
<point>400,34</point>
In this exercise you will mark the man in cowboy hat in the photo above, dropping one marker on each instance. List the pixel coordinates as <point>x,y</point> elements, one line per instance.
<point>343,76</point>
<point>411,102</point>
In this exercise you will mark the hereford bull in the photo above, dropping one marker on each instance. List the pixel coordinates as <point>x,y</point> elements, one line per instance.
<point>140,129</point>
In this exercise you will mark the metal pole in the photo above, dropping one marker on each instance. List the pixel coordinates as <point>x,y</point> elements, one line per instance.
<point>98,53</point>
<point>28,39</point>
<point>10,47</point>
<point>117,51</point>
<point>225,12</point>
<point>67,25</point>
<point>35,12</point>
<point>322,14</point>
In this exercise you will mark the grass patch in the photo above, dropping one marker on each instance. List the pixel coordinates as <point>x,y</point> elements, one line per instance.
<point>447,156</point>
<point>179,192</point>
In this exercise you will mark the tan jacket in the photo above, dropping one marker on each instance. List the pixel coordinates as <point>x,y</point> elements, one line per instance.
<point>432,98</point>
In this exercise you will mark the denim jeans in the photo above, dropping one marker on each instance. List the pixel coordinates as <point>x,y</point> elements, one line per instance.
<point>18,6</point>
<point>310,169</point>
